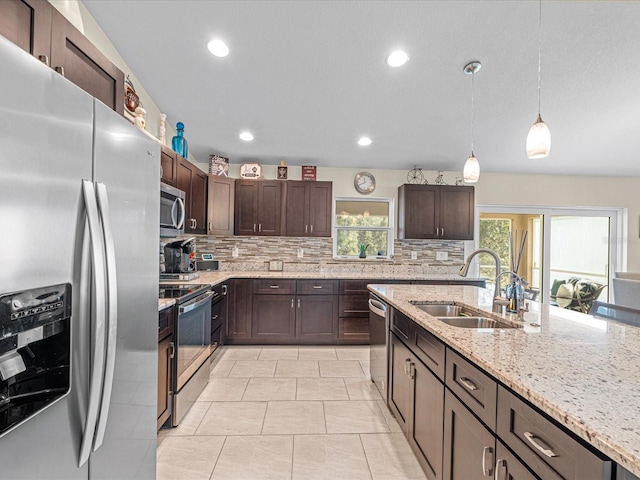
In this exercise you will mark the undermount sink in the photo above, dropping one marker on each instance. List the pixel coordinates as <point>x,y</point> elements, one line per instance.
<point>459,316</point>
<point>474,322</point>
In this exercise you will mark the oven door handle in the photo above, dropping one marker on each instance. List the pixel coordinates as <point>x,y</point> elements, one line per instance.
<point>187,307</point>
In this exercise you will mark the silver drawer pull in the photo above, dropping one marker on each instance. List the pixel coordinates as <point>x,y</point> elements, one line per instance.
<point>486,466</point>
<point>502,462</point>
<point>468,384</point>
<point>546,451</point>
<point>317,286</point>
<point>274,286</point>
<point>356,311</point>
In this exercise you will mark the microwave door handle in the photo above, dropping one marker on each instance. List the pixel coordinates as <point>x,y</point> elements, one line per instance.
<point>112,313</point>
<point>178,204</point>
<point>99,301</point>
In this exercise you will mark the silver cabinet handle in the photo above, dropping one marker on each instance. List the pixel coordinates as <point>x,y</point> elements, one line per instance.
<point>500,462</point>
<point>292,303</point>
<point>545,451</point>
<point>406,366</point>
<point>224,289</point>
<point>311,228</point>
<point>98,266</point>
<point>259,228</point>
<point>209,226</point>
<point>412,370</point>
<point>468,384</point>
<point>172,350</point>
<point>442,235</point>
<point>486,466</point>
<point>317,287</point>
<point>254,228</point>
<point>306,229</point>
<point>274,286</point>
<point>298,303</point>
<point>112,312</point>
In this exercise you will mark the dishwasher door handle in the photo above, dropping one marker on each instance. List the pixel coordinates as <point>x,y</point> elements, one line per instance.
<point>377,307</point>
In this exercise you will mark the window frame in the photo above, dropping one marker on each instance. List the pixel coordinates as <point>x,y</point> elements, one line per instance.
<point>390,229</point>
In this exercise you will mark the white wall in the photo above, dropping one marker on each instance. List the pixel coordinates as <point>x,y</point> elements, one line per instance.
<point>493,188</point>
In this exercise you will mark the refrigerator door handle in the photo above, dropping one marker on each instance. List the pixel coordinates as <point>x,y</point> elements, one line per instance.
<point>97,355</point>
<point>112,312</point>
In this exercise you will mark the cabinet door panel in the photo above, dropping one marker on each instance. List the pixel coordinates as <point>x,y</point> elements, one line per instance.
<point>184,178</point>
<point>274,319</point>
<point>317,319</point>
<point>353,331</point>
<point>84,64</point>
<point>221,191</point>
<point>297,209</point>
<point>168,166</point>
<point>239,317</point>
<point>320,197</point>
<point>466,443</point>
<point>430,350</point>
<point>457,212</point>
<point>27,23</point>
<point>199,201</point>
<point>246,208</point>
<point>508,467</point>
<point>427,422</point>
<point>418,211</point>
<point>269,205</point>
<point>400,386</point>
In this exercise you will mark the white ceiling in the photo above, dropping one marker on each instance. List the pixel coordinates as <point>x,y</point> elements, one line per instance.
<point>308,78</point>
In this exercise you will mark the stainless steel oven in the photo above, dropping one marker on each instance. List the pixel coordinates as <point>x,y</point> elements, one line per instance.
<point>192,336</point>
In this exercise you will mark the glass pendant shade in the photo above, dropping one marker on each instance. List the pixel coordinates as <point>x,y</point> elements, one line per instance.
<point>471,171</point>
<point>538,140</point>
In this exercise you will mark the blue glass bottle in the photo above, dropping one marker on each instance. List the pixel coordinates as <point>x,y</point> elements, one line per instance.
<point>179,143</point>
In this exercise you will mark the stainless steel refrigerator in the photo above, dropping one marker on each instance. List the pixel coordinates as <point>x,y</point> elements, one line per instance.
<point>79,229</point>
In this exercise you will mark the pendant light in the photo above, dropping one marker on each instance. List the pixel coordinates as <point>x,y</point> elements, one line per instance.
<point>471,171</point>
<point>539,138</point>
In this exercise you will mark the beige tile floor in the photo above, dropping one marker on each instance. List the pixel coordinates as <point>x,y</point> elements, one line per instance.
<point>297,413</point>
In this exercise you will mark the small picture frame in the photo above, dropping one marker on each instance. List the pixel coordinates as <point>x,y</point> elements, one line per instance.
<point>283,172</point>
<point>218,165</point>
<point>251,170</point>
<point>309,173</point>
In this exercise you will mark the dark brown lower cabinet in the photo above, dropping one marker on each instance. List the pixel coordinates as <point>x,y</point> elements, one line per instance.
<point>239,318</point>
<point>508,467</point>
<point>469,448</point>
<point>273,319</point>
<point>417,398</point>
<point>165,360</point>
<point>317,319</point>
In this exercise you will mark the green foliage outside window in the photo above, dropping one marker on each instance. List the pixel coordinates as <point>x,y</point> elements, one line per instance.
<point>494,235</point>
<point>366,223</point>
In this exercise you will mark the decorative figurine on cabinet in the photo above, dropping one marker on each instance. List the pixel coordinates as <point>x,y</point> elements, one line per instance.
<point>163,128</point>
<point>139,120</point>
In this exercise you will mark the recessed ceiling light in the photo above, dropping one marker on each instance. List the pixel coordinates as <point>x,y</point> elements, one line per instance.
<point>218,48</point>
<point>246,136</point>
<point>397,58</point>
<point>364,141</point>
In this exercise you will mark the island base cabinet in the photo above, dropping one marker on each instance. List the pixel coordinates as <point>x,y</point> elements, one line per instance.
<point>469,448</point>
<point>416,398</point>
<point>508,467</point>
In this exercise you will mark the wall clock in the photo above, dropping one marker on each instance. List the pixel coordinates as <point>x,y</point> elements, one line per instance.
<point>364,182</point>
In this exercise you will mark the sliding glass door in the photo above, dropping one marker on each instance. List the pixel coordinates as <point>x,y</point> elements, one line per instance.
<point>552,246</point>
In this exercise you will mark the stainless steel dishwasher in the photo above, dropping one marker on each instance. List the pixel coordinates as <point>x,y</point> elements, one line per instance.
<point>379,339</point>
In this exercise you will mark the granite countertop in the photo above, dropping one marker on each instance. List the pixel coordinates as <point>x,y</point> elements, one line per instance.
<point>165,303</point>
<point>580,370</point>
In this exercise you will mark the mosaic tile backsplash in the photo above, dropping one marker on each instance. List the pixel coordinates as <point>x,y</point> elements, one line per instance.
<point>254,253</point>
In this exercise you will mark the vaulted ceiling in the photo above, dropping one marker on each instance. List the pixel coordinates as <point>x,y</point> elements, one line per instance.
<point>308,78</point>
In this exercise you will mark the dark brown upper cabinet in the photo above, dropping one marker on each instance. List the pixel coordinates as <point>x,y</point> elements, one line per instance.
<point>38,28</point>
<point>168,166</point>
<point>444,212</point>
<point>193,182</point>
<point>220,205</point>
<point>258,207</point>
<point>308,211</point>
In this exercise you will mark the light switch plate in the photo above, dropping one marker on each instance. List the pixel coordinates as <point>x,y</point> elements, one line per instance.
<point>414,255</point>
<point>442,255</point>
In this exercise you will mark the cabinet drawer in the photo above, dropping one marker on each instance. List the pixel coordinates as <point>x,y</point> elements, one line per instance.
<point>539,442</point>
<point>401,325</point>
<point>317,287</point>
<point>475,388</point>
<point>509,467</point>
<point>354,306</point>
<point>352,287</point>
<point>274,286</point>
<point>428,349</point>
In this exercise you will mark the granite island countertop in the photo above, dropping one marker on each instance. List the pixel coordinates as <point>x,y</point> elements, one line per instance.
<point>580,370</point>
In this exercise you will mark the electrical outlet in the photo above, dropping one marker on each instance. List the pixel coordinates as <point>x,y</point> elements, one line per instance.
<point>300,252</point>
<point>442,255</point>
<point>234,252</point>
<point>414,255</point>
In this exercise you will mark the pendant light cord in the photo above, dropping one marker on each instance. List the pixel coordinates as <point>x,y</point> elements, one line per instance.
<point>473,74</point>
<point>539,49</point>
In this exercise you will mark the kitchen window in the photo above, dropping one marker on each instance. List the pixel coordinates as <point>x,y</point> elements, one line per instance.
<point>363,221</point>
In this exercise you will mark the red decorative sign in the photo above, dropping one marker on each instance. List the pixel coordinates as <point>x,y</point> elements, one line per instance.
<point>309,172</point>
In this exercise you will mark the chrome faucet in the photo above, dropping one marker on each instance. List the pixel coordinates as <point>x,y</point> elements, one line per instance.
<point>498,301</point>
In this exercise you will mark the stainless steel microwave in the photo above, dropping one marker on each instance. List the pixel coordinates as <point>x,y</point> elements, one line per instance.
<point>172,211</point>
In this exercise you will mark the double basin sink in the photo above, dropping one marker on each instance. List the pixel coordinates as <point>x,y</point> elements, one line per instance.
<point>459,316</point>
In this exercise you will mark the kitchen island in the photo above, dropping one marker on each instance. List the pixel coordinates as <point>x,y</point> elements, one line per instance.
<point>579,370</point>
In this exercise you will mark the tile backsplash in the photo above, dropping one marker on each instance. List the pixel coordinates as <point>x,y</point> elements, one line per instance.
<point>254,253</point>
